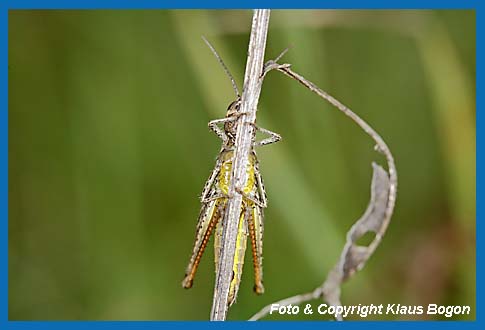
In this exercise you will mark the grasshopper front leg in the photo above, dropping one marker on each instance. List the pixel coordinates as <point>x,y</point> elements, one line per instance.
<point>221,133</point>
<point>273,137</point>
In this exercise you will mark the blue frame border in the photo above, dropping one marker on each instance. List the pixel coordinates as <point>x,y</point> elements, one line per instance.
<point>152,4</point>
<point>239,4</point>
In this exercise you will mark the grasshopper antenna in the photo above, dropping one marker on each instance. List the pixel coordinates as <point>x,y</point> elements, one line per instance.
<point>234,85</point>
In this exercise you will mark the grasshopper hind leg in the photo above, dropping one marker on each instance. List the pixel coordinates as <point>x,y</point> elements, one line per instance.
<point>272,137</point>
<point>255,226</point>
<point>208,219</point>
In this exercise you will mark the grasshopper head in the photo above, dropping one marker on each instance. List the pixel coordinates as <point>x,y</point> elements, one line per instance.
<point>232,111</point>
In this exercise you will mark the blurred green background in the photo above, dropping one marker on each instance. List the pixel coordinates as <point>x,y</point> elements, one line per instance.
<point>109,150</point>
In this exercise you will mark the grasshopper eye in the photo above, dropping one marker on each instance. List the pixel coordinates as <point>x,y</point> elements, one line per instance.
<point>234,106</point>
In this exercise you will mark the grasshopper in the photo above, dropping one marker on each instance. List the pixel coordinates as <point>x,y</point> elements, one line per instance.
<point>215,196</point>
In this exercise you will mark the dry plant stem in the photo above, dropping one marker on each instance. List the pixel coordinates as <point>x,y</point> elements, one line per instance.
<point>244,138</point>
<point>381,146</point>
<point>294,300</point>
<point>330,288</point>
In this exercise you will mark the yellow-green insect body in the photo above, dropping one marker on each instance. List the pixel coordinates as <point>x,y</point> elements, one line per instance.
<point>250,212</point>
<point>214,200</point>
<point>215,197</point>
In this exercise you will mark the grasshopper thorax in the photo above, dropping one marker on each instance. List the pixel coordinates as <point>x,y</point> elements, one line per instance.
<point>230,127</point>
